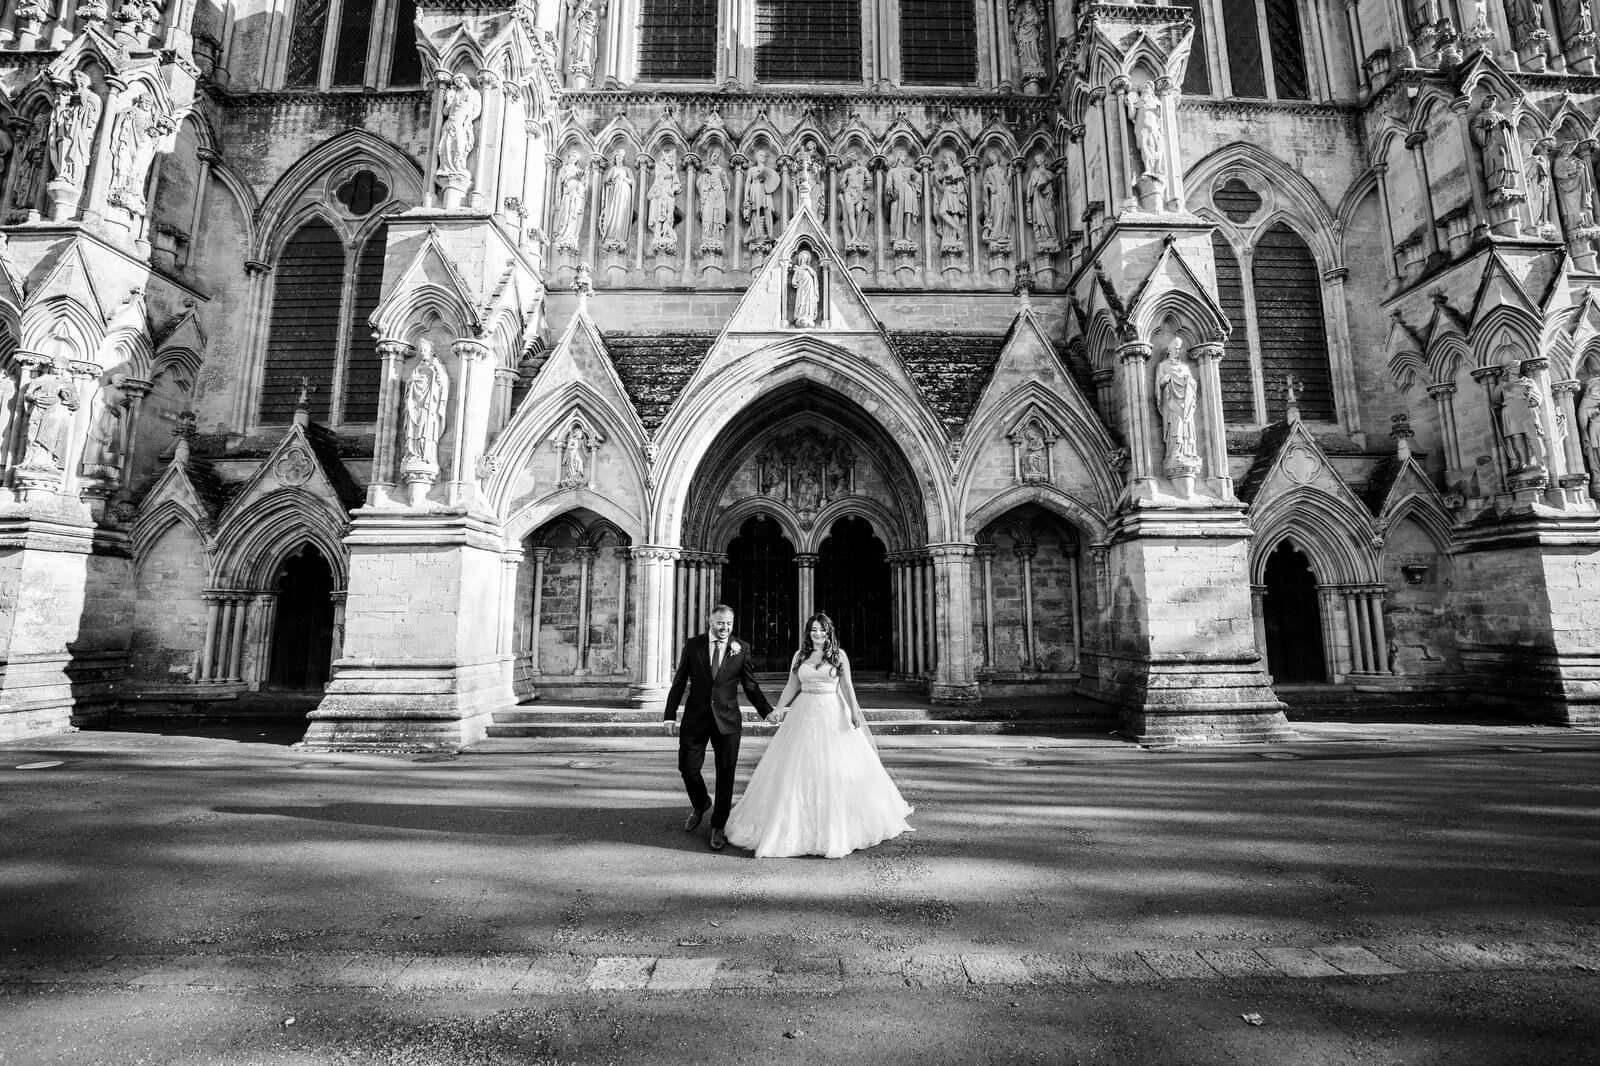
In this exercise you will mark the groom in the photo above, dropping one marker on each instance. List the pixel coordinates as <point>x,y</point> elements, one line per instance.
<point>713,666</point>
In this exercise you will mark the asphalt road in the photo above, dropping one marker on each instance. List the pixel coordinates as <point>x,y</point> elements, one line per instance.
<point>1371,893</point>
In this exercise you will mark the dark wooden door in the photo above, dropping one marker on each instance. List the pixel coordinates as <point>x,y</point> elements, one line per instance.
<point>759,583</point>
<point>853,589</point>
<point>302,634</point>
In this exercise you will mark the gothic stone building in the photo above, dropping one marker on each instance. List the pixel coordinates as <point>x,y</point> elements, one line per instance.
<point>431,355</point>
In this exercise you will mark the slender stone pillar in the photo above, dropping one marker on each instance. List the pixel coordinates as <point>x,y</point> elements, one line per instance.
<point>1486,377</point>
<point>1208,357</point>
<point>655,566</point>
<point>1444,394</point>
<point>1025,554</point>
<point>954,681</point>
<point>586,556</point>
<point>806,587</point>
<point>985,555</point>
<point>236,652</point>
<point>392,355</point>
<point>622,553</point>
<point>206,667</point>
<point>539,556</point>
<point>1132,360</point>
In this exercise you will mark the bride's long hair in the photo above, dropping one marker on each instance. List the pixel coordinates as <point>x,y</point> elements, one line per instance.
<point>830,643</point>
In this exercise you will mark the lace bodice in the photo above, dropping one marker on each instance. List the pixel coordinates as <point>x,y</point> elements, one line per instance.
<point>818,679</point>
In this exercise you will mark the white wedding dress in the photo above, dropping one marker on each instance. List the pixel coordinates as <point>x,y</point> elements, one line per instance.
<point>819,789</point>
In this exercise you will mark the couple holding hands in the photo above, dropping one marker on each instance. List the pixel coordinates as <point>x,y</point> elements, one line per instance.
<point>820,788</point>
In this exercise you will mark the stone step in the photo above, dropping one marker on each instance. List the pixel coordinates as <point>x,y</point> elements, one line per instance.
<point>557,728</point>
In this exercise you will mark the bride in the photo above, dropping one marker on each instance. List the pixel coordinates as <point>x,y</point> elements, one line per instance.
<point>819,789</point>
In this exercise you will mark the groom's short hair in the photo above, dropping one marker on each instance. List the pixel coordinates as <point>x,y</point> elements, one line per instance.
<point>720,608</point>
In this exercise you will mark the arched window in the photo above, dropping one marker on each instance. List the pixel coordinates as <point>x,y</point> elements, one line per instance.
<point>938,42</point>
<point>808,40</point>
<point>317,331</point>
<point>1289,324</point>
<point>352,44</point>
<point>678,40</point>
<point>1263,51</point>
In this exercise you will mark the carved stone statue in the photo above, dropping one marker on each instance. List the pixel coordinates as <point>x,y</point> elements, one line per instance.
<point>1520,424</point>
<point>803,279</point>
<point>1176,396</point>
<point>759,212</point>
<point>459,133</point>
<point>1040,186</point>
<point>616,204</point>
<point>102,449</point>
<point>580,43</point>
<point>1589,425</point>
<point>574,457</point>
<point>72,126</point>
<point>29,157</point>
<point>1574,183</point>
<point>1029,31</point>
<point>855,203</point>
<point>903,192</point>
<point>1492,133</point>
<point>50,401</point>
<point>952,203</point>
<point>1541,195</point>
<point>1145,111</point>
<point>1035,456</point>
<point>996,216</point>
<point>134,135</point>
<point>664,191</point>
<point>807,175</point>
<point>426,393</point>
<point>712,187</point>
<point>572,191</point>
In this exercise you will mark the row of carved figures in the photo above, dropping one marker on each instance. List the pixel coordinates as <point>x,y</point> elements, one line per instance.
<point>937,191</point>
<point>131,22</point>
<point>38,412</point>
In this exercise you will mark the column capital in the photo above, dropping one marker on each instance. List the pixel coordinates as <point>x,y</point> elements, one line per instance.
<point>1207,351</point>
<point>1562,387</point>
<point>538,554</point>
<point>985,551</point>
<point>257,268</point>
<point>1416,140</point>
<point>1336,275</point>
<point>1025,551</point>
<point>1133,350</point>
<point>1439,390</point>
<point>1536,364</point>
<point>656,553</point>
<point>390,348</point>
<point>467,348</point>
<point>513,556</point>
<point>1486,375</point>
<point>805,560</point>
<point>952,550</point>
<point>586,551</point>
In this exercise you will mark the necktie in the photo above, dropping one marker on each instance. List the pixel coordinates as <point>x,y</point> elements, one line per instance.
<point>716,658</point>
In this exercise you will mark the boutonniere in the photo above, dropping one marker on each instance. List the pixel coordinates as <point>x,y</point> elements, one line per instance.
<point>733,647</point>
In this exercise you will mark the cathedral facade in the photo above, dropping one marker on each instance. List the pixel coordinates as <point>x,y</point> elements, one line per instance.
<point>418,358</point>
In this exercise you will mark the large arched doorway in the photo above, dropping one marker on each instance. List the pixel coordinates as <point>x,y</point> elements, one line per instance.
<point>302,631</point>
<point>1292,617</point>
<point>853,589</point>
<point>759,583</point>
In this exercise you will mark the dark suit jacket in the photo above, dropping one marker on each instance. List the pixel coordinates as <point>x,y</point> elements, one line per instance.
<point>715,696</point>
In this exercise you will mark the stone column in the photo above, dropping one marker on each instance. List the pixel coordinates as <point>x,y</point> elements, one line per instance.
<point>654,622</point>
<point>681,607</point>
<point>1355,622</point>
<point>918,626</point>
<point>622,553</point>
<point>586,556</point>
<point>1258,617</point>
<point>1417,142</point>
<point>985,553</point>
<point>1487,377</point>
<point>1566,398</point>
<point>1025,554</point>
<point>1381,170</point>
<point>539,556</point>
<point>1444,394</point>
<point>1208,358</point>
<point>878,166</point>
<point>485,194</point>
<point>473,391</point>
<point>954,681</point>
<point>336,650</point>
<point>241,604</point>
<point>806,584</point>
<point>1132,359</point>
<point>1344,374</point>
<point>1555,456</point>
<point>1074,563</point>
<point>205,668</point>
<point>393,354</point>
<point>511,562</point>
<point>1328,601</point>
<point>738,163</point>
<point>1380,640</point>
<point>691,163</point>
<point>897,604</point>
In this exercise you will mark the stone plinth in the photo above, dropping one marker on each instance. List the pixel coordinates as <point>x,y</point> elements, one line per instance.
<point>65,630</point>
<point>421,666</point>
<point>1181,657</point>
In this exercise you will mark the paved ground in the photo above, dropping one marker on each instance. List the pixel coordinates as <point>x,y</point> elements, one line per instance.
<point>1374,893</point>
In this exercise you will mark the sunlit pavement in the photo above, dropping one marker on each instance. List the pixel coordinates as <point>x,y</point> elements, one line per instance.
<point>1372,892</point>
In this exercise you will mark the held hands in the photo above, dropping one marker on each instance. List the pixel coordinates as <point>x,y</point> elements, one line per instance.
<point>778,715</point>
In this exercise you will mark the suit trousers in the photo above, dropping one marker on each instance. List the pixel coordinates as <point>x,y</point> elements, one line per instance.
<point>692,738</point>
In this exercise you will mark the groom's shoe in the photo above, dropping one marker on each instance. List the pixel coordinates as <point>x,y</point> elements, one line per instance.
<point>718,839</point>
<point>691,823</point>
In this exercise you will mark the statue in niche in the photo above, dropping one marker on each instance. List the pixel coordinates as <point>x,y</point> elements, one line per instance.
<point>1585,21</point>
<point>50,400</point>
<point>1574,182</point>
<point>102,450</point>
<point>1035,455</point>
<point>1176,396</point>
<point>1527,20</point>
<point>29,157</point>
<point>713,188</point>
<point>855,200</point>
<point>1492,133</point>
<point>459,133</point>
<point>759,212</point>
<point>904,194</point>
<point>574,457</point>
<point>134,135</point>
<point>803,280</point>
<point>664,204</point>
<point>616,204</point>
<point>72,126</point>
<point>952,204</point>
<point>997,203</point>
<point>1589,425</point>
<point>1040,186</point>
<point>807,486</point>
<point>426,393</point>
<point>580,43</point>
<point>807,172</point>
<point>573,190</point>
<point>1145,112</point>
<point>1029,32</point>
<point>1520,425</point>
<point>1541,193</point>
